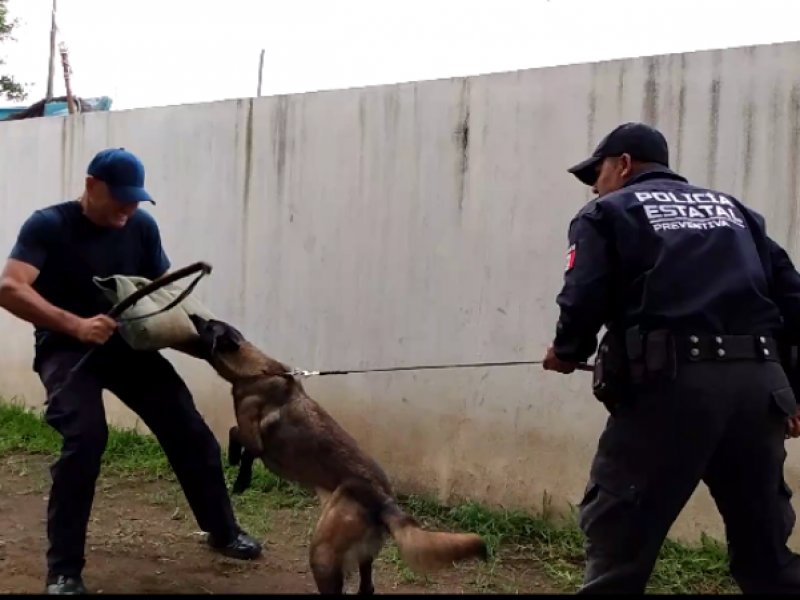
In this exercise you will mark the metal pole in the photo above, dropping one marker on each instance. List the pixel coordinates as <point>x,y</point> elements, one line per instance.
<point>67,84</point>
<point>260,70</point>
<point>52,69</point>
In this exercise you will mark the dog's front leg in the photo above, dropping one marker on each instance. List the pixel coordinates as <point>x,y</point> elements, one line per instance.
<point>248,419</point>
<point>238,455</point>
<point>245,476</point>
<point>235,449</point>
<point>242,440</point>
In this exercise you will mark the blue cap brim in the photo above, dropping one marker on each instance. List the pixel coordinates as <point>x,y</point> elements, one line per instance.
<point>130,194</point>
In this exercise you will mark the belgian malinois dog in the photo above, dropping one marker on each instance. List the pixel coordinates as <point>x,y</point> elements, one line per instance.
<point>299,441</point>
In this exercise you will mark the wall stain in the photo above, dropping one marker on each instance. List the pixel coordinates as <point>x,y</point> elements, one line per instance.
<point>713,119</point>
<point>650,104</point>
<point>794,160</point>
<point>774,136</point>
<point>64,150</point>
<point>248,160</point>
<point>417,143</point>
<point>108,128</point>
<point>248,174</point>
<point>748,118</point>
<point>776,123</point>
<point>70,124</point>
<point>280,141</point>
<point>362,140</point>
<point>681,113</point>
<point>236,131</point>
<point>362,117</point>
<point>621,90</point>
<point>392,106</point>
<point>591,117</point>
<point>462,138</point>
<point>391,119</point>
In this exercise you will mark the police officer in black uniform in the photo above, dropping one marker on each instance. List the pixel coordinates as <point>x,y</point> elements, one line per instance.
<point>694,296</point>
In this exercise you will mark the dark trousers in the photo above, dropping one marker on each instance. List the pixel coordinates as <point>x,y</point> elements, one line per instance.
<point>720,423</point>
<point>148,384</point>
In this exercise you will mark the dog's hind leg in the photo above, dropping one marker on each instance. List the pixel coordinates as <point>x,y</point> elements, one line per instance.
<point>365,586</point>
<point>336,542</point>
<point>327,569</point>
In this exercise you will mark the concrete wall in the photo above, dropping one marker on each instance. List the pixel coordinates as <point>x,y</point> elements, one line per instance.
<point>422,223</point>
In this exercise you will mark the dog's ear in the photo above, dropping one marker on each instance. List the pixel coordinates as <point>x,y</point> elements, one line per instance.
<point>204,330</point>
<point>224,338</point>
<point>216,336</point>
<point>200,324</point>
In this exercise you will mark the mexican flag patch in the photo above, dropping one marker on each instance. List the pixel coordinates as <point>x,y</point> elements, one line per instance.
<point>570,257</point>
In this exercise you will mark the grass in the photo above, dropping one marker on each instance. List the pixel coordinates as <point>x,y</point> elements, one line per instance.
<point>511,535</point>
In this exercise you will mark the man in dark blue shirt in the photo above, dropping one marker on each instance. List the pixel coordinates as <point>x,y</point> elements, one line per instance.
<point>47,281</point>
<point>692,293</point>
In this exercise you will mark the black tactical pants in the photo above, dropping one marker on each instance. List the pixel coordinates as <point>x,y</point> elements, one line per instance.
<point>721,423</point>
<point>148,384</point>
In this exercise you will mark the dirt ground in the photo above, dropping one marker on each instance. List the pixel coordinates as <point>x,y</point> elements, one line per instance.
<point>142,541</point>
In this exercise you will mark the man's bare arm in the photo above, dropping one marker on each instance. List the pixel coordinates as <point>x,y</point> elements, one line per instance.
<point>19,298</point>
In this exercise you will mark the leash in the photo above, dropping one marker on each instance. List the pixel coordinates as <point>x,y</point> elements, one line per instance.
<point>200,268</point>
<point>515,363</point>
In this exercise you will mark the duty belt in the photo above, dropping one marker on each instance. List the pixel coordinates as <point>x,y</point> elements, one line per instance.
<point>725,348</point>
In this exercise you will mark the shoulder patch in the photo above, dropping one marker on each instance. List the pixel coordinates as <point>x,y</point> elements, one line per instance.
<point>570,258</point>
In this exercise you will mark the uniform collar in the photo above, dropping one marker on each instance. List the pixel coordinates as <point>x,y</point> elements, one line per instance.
<point>656,172</point>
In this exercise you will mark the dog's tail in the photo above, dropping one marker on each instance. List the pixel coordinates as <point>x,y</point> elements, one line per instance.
<point>423,551</point>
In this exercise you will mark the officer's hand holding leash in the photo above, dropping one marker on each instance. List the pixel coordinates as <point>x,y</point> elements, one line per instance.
<point>793,427</point>
<point>552,363</point>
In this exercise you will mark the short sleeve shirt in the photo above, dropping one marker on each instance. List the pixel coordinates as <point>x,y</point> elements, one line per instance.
<point>69,250</point>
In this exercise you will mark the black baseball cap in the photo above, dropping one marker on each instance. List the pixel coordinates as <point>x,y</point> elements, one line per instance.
<point>122,172</point>
<point>640,141</point>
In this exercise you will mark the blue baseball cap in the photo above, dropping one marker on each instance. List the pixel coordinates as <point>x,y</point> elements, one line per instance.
<point>122,172</point>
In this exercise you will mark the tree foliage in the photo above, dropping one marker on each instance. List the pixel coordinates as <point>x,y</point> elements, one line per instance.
<point>10,88</point>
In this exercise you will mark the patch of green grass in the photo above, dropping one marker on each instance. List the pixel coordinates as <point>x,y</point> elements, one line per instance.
<point>556,544</point>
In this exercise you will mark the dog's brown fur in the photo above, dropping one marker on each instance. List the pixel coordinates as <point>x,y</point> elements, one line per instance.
<point>299,441</point>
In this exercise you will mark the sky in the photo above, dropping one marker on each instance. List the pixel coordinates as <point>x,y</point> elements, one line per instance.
<point>145,53</point>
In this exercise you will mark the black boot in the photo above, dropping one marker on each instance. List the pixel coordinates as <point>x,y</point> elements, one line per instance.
<point>242,547</point>
<point>62,584</point>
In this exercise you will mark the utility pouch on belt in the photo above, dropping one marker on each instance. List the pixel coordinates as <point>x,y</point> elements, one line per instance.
<point>651,355</point>
<point>660,358</point>
<point>611,381</point>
